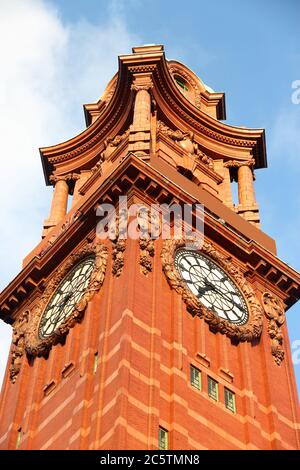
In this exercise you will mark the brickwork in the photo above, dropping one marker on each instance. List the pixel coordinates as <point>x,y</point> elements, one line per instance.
<point>123,371</point>
<point>146,341</point>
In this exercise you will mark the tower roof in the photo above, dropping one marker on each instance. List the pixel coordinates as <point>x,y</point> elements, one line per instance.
<point>177,93</point>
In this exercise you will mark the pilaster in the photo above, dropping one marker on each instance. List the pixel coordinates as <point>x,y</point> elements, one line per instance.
<point>139,137</point>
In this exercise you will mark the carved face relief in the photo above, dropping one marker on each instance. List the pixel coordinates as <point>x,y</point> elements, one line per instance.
<point>212,286</point>
<point>214,289</point>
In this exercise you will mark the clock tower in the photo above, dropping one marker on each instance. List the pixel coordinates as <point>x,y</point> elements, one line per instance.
<point>152,341</point>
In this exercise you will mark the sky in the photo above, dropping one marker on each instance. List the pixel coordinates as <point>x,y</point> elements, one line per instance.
<point>58,54</point>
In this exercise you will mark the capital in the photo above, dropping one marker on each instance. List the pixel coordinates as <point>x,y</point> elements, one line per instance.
<point>142,82</point>
<point>68,177</point>
<point>239,163</point>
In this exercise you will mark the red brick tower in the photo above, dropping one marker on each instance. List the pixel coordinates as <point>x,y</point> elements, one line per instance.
<point>127,343</point>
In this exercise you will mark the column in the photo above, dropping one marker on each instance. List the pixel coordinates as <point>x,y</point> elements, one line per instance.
<point>245,185</point>
<point>142,109</point>
<point>139,137</point>
<point>59,203</point>
<point>247,207</point>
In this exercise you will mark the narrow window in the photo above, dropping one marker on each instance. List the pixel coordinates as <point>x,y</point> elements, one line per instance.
<point>195,376</point>
<point>19,437</point>
<point>230,400</point>
<point>212,388</point>
<point>95,365</point>
<point>162,439</point>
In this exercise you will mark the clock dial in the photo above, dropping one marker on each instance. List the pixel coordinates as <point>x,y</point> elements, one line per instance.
<point>66,297</point>
<point>212,286</point>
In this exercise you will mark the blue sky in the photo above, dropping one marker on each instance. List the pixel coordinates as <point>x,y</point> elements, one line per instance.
<point>59,54</point>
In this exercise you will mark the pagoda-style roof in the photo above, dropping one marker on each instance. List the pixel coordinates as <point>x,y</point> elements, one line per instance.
<point>178,95</point>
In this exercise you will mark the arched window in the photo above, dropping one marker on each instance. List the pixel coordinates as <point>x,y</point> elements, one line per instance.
<point>182,84</point>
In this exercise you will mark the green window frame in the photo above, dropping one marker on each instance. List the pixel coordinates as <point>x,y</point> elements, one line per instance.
<point>229,397</point>
<point>180,82</point>
<point>213,389</point>
<point>163,443</point>
<point>195,377</point>
<point>19,437</point>
<point>95,363</point>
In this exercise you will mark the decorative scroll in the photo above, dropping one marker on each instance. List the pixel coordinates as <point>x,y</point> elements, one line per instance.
<point>239,163</point>
<point>274,311</point>
<point>35,346</point>
<point>67,177</point>
<point>141,86</point>
<point>98,167</point>
<point>248,332</point>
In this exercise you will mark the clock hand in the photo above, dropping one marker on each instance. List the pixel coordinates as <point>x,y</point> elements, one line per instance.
<point>62,304</point>
<point>222,294</point>
<point>64,300</point>
<point>203,290</point>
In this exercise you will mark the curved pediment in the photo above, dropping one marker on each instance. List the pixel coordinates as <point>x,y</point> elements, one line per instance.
<point>195,90</point>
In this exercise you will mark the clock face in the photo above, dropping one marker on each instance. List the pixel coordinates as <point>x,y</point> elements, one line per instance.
<point>66,297</point>
<point>212,286</point>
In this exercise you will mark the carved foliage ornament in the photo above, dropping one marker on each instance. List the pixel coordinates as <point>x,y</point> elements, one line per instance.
<point>246,332</point>
<point>141,87</point>
<point>119,243</point>
<point>186,141</point>
<point>274,311</point>
<point>150,226</point>
<point>18,344</point>
<point>239,163</point>
<point>26,337</point>
<point>68,177</point>
<point>110,145</point>
<point>203,128</point>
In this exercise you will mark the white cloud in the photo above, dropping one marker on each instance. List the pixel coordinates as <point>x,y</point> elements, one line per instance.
<point>48,70</point>
<point>285,142</point>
